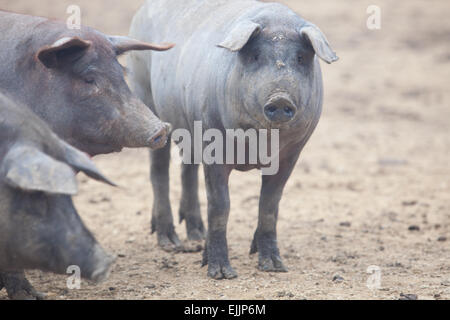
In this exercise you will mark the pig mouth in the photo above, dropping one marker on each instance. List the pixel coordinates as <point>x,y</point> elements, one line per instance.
<point>102,264</point>
<point>94,149</point>
<point>258,123</point>
<point>102,149</point>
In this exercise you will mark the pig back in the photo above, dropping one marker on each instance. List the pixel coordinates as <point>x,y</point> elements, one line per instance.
<point>187,78</point>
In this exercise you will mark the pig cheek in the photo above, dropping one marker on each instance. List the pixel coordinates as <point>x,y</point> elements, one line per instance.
<point>52,234</point>
<point>249,93</point>
<point>303,92</point>
<point>26,229</point>
<point>108,128</point>
<point>98,113</point>
<point>256,99</point>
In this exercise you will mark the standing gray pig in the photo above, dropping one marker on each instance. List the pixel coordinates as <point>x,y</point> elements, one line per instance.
<point>237,64</point>
<point>39,225</point>
<point>73,80</point>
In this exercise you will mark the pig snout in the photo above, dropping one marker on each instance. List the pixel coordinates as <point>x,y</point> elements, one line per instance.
<point>280,109</point>
<point>98,265</point>
<point>143,128</point>
<point>159,138</point>
<point>154,139</point>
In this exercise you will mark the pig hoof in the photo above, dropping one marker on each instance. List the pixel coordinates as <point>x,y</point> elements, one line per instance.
<point>273,264</point>
<point>167,237</point>
<point>194,225</point>
<point>269,257</point>
<point>170,242</point>
<point>26,294</point>
<point>195,234</point>
<point>190,246</point>
<point>18,287</point>
<point>218,272</point>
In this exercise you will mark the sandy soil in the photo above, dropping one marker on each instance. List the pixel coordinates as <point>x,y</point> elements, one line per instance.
<point>377,166</point>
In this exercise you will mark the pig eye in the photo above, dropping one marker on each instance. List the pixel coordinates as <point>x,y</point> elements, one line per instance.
<point>256,57</point>
<point>300,59</point>
<point>89,80</point>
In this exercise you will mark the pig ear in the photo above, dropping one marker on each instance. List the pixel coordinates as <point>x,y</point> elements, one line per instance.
<point>80,161</point>
<point>29,169</point>
<point>124,44</point>
<point>319,42</point>
<point>240,35</point>
<point>52,56</point>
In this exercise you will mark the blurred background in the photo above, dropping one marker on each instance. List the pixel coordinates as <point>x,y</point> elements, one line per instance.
<point>376,168</point>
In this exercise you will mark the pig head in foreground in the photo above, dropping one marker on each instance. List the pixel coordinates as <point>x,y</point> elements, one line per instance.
<point>73,81</point>
<point>39,225</point>
<point>238,64</point>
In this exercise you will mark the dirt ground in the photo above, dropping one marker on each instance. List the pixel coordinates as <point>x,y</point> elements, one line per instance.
<point>372,187</point>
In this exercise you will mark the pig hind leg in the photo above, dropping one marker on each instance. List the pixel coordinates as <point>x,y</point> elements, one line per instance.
<point>190,205</point>
<point>18,287</point>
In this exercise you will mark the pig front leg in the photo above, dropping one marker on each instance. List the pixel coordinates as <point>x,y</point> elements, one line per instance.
<point>265,239</point>
<point>18,287</point>
<point>216,249</point>
<point>162,219</point>
<point>190,204</point>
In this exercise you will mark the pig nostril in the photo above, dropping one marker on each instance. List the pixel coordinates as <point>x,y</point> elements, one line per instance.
<point>271,109</point>
<point>280,111</point>
<point>158,138</point>
<point>289,111</point>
